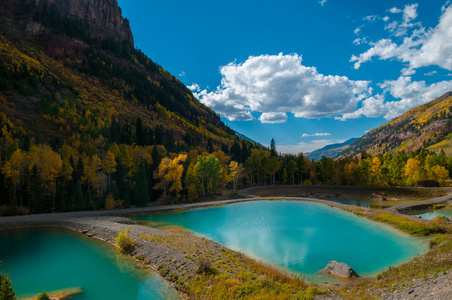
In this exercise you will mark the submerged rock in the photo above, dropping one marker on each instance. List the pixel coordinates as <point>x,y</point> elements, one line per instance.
<point>339,269</point>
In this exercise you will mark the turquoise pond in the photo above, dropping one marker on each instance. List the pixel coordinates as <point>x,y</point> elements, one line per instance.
<point>301,237</point>
<point>50,259</point>
<point>430,215</point>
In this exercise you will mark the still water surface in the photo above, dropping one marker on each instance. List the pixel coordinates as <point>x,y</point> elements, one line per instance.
<point>430,215</point>
<point>49,259</point>
<point>299,236</point>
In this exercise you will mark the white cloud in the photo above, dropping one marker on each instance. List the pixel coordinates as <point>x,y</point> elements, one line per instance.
<point>305,147</point>
<point>431,73</point>
<point>409,94</point>
<point>395,10</point>
<point>410,12</point>
<point>273,117</point>
<point>357,30</point>
<point>385,18</point>
<point>360,41</point>
<point>322,2</point>
<point>422,48</point>
<point>194,87</point>
<point>316,134</point>
<point>277,84</point>
<point>444,7</point>
<point>182,74</point>
<point>370,18</point>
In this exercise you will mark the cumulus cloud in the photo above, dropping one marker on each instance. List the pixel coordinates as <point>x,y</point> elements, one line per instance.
<point>395,10</point>
<point>316,134</point>
<point>277,84</point>
<point>409,94</point>
<point>421,48</point>
<point>273,117</point>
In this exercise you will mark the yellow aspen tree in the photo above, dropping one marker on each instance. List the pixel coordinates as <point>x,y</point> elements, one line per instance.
<point>375,170</point>
<point>440,174</point>
<point>412,172</point>
<point>169,174</point>
<point>192,183</point>
<point>109,164</point>
<point>236,171</point>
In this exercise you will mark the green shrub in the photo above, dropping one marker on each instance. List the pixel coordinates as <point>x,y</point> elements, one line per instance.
<point>124,241</point>
<point>43,296</point>
<point>205,267</point>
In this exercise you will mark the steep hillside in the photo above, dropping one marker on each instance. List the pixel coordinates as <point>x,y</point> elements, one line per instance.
<point>333,150</point>
<point>426,126</point>
<point>82,110</point>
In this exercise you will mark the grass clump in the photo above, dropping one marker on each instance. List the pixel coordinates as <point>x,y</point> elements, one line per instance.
<point>438,206</point>
<point>124,241</point>
<point>410,226</point>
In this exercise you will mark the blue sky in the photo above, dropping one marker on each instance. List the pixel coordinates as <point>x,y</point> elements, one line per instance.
<point>305,72</point>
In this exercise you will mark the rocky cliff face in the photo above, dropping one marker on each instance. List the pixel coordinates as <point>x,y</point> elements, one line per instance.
<point>104,17</point>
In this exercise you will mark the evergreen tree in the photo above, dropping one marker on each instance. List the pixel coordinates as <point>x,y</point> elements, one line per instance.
<point>141,191</point>
<point>273,151</point>
<point>35,189</point>
<point>140,133</point>
<point>6,288</point>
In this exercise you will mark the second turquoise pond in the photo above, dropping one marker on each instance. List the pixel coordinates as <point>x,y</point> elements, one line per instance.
<point>301,237</point>
<point>430,215</point>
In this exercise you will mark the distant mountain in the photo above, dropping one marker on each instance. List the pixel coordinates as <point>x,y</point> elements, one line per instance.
<point>332,151</point>
<point>425,126</point>
<point>242,136</point>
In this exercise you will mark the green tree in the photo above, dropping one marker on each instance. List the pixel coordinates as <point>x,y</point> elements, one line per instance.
<point>6,288</point>
<point>273,166</point>
<point>284,176</point>
<point>43,296</point>
<point>208,169</point>
<point>291,169</point>
<point>273,151</point>
<point>141,191</point>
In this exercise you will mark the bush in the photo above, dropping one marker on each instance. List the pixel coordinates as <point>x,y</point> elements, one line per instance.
<point>124,241</point>
<point>205,267</point>
<point>43,296</point>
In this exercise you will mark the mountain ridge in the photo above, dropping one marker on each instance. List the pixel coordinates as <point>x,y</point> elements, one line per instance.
<point>332,150</point>
<point>426,126</point>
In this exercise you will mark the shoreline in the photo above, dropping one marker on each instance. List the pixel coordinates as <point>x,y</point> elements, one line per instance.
<point>175,267</point>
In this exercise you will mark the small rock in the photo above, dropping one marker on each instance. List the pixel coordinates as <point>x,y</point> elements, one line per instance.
<point>84,231</point>
<point>339,269</point>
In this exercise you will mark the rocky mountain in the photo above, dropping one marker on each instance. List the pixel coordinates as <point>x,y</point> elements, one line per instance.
<point>332,151</point>
<point>102,17</point>
<point>425,126</point>
<point>86,118</point>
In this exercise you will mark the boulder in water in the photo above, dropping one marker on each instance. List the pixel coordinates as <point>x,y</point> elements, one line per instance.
<point>339,269</point>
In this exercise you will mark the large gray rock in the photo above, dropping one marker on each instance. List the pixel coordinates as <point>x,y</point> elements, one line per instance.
<point>339,269</point>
